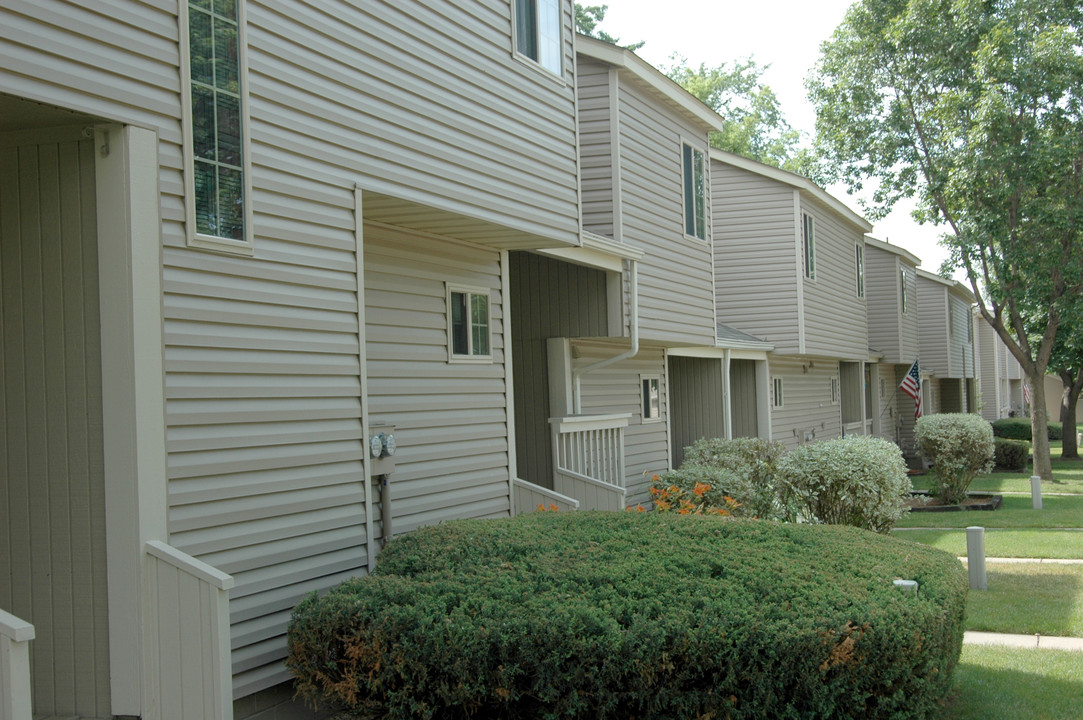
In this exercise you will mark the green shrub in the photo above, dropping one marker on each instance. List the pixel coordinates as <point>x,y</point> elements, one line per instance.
<point>859,480</point>
<point>1011,454</point>
<point>959,446</point>
<point>635,615</point>
<point>741,475</point>
<point>1020,429</point>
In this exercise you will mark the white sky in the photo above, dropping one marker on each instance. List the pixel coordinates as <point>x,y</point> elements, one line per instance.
<point>786,34</point>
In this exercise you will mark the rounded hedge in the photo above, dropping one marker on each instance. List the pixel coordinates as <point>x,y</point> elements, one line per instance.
<point>635,615</point>
<point>1020,429</point>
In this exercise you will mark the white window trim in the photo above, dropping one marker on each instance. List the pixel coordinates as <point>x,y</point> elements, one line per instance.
<point>469,290</point>
<point>808,246</point>
<point>195,239</point>
<point>904,305</point>
<point>859,268</point>
<point>535,65</point>
<point>778,394</point>
<point>703,151</point>
<point>643,417</point>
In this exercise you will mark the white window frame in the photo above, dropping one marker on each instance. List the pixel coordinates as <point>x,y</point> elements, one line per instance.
<point>695,150</point>
<point>550,60</point>
<point>196,239</point>
<point>836,393</point>
<point>902,296</point>
<point>777,392</point>
<point>644,398</point>
<point>808,244</point>
<point>469,291</point>
<point>859,259</point>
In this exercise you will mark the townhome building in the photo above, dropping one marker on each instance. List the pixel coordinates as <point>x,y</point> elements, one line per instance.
<point>894,337</point>
<point>948,368</point>
<point>254,254</point>
<point>999,373</point>
<point>790,270</point>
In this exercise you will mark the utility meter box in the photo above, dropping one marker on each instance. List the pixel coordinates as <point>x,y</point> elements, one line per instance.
<point>381,449</point>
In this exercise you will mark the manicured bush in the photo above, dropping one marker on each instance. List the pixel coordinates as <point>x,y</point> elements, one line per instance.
<point>1011,454</point>
<point>740,475</point>
<point>859,480</point>
<point>959,446</point>
<point>635,615</point>
<point>1020,429</point>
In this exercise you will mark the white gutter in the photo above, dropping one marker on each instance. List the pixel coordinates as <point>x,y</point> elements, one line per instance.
<point>577,374</point>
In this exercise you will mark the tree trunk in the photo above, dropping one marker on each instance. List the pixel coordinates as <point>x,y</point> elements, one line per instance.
<point>1039,426</point>
<point>1069,401</point>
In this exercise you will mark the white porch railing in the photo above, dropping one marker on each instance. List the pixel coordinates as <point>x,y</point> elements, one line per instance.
<point>15,695</point>
<point>591,446</point>
<point>592,494</point>
<point>189,648</point>
<point>528,497</point>
<point>861,427</point>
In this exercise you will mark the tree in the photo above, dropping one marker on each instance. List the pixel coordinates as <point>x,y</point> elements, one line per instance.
<point>755,126</point>
<point>975,107</point>
<point>1067,362</point>
<point>587,19</point>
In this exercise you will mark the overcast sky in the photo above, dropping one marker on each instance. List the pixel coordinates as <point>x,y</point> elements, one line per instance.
<point>786,34</point>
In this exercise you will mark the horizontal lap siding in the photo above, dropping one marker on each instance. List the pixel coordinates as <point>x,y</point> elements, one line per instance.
<point>989,369</point>
<point>596,146</point>
<point>933,314</point>
<point>807,405</point>
<point>882,303</point>
<point>962,348</point>
<point>617,389</point>
<point>422,101</point>
<point>675,285</point>
<point>835,319</point>
<point>450,418</point>
<point>754,255</point>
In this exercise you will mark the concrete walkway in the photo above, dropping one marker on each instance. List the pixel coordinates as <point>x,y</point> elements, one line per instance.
<point>1036,561</point>
<point>1044,642</point>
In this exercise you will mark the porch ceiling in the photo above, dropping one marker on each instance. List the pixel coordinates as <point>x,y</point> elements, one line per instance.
<point>21,114</point>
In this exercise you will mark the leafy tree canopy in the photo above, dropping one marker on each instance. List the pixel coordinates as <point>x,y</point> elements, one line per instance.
<point>975,107</point>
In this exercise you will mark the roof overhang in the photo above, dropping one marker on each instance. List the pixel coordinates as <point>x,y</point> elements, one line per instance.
<point>894,250</point>
<point>597,252</point>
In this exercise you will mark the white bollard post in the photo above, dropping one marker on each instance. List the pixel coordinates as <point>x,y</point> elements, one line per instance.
<point>975,558</point>
<point>1036,491</point>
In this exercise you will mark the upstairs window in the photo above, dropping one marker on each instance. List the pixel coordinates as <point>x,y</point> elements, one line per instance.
<point>776,394</point>
<point>859,252</point>
<point>808,238</point>
<point>538,32</point>
<point>902,286</point>
<point>652,397</point>
<point>469,324</point>
<point>215,148</point>
<point>695,192</point>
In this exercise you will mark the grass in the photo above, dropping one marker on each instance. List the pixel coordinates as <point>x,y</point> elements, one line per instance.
<point>1016,512</point>
<point>1029,598</point>
<point>995,683</point>
<point>1067,478</point>
<point>1033,543</point>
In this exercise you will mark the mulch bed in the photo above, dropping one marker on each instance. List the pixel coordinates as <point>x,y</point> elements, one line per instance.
<point>922,501</point>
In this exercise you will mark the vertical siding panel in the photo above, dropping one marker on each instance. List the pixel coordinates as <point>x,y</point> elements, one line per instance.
<point>744,403</point>
<point>695,402</point>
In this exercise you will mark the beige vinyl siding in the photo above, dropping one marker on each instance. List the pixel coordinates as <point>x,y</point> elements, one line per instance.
<point>891,332</point>
<point>754,255</point>
<point>989,366</point>
<point>52,494</point>
<point>835,320</point>
<point>596,89</point>
<point>549,299</point>
<point>450,417</point>
<point>807,407</point>
<point>617,389</point>
<point>932,301</point>
<point>744,400</point>
<point>962,348</point>
<point>675,283</point>
<point>910,321</point>
<point>696,402</point>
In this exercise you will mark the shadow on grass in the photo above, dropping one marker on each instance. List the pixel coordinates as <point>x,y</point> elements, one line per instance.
<point>1029,599</point>
<point>1003,684</point>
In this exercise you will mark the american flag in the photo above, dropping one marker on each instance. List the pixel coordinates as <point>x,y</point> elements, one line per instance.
<point>911,385</point>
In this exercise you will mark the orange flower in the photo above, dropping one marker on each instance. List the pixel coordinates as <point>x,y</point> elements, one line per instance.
<point>640,508</point>
<point>700,489</point>
<point>662,505</point>
<point>553,507</point>
<point>541,508</point>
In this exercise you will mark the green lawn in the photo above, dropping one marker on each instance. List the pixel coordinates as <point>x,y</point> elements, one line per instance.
<point>996,683</point>
<point>1016,512</point>
<point>1029,598</point>
<point>1033,543</point>
<point>1067,478</point>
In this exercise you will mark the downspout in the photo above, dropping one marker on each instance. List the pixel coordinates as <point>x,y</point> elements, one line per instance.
<point>577,374</point>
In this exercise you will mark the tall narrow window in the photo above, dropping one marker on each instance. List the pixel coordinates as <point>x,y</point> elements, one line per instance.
<point>695,192</point>
<point>902,287</point>
<point>860,260</point>
<point>776,387</point>
<point>538,32</point>
<point>834,391</point>
<point>215,152</point>
<point>652,397</point>
<point>808,237</point>
<point>468,324</point>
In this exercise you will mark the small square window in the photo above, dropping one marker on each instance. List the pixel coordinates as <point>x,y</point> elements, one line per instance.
<point>808,236</point>
<point>652,397</point>
<point>694,170</point>
<point>776,387</point>
<point>538,32</point>
<point>469,324</point>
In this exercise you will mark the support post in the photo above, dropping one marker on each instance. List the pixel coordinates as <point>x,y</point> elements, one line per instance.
<point>975,558</point>
<point>1036,491</point>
